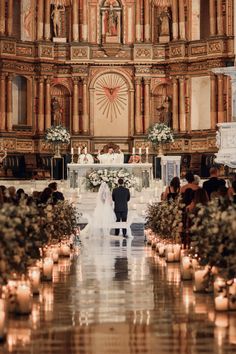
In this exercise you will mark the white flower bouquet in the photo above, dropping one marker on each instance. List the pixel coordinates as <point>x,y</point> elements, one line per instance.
<point>57,134</point>
<point>96,177</point>
<point>160,133</point>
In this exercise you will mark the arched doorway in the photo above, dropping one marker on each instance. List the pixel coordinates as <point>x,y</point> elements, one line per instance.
<point>110,106</point>
<point>60,106</point>
<point>162,104</point>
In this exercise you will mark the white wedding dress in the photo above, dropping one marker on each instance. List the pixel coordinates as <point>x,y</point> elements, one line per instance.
<point>103,215</point>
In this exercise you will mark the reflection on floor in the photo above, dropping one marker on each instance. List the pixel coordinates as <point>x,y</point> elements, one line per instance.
<point>117,296</point>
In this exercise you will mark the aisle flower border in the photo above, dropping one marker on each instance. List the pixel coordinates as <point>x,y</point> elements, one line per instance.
<point>94,178</point>
<point>160,133</point>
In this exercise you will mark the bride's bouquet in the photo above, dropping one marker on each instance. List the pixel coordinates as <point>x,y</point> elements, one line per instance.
<point>95,178</point>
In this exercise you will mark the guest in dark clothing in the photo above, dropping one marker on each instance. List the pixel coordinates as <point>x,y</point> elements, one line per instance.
<point>190,183</point>
<point>121,197</point>
<point>234,192</point>
<point>46,195</point>
<point>173,190</point>
<point>56,195</point>
<point>200,197</point>
<point>214,183</point>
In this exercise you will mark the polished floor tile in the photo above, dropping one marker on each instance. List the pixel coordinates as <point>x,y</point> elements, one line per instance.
<point>119,297</point>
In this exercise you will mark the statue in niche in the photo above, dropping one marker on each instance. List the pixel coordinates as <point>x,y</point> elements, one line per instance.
<point>164,111</point>
<point>111,22</point>
<point>56,109</point>
<point>56,19</point>
<point>164,22</point>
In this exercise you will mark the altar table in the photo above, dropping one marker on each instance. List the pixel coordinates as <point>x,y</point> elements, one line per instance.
<point>143,171</point>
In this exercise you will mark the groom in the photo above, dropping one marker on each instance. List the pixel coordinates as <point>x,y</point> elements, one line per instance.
<point>120,197</point>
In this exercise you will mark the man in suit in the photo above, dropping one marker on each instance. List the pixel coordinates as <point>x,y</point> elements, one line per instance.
<point>120,197</point>
<point>214,183</point>
<point>56,195</point>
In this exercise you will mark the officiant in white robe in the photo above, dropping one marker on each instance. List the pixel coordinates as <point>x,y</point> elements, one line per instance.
<point>111,157</point>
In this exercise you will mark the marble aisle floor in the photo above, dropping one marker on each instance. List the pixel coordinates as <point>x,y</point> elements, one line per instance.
<point>118,297</point>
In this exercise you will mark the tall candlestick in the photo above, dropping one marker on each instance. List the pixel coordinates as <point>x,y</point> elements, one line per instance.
<point>72,151</point>
<point>85,150</point>
<point>140,151</point>
<point>133,151</point>
<point>79,150</point>
<point>147,150</point>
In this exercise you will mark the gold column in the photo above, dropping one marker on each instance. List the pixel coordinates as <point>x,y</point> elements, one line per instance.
<point>85,21</point>
<point>131,112</point>
<point>212,17</point>
<point>220,78</point>
<point>40,19</point>
<point>41,106</point>
<point>75,123</point>
<point>138,21</point>
<point>213,102</point>
<point>147,25</point>
<point>29,101</point>
<point>2,17</point>
<point>85,106</point>
<point>2,102</point>
<point>48,121</point>
<point>182,34</point>
<point>47,32</point>
<point>175,105</point>
<point>182,113</point>
<point>75,21</point>
<point>147,82</point>
<point>175,22</point>
<point>220,25</point>
<point>10,18</point>
<point>138,106</point>
<point>9,103</point>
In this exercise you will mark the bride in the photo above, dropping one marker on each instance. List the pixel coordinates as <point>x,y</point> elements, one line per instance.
<point>103,215</point>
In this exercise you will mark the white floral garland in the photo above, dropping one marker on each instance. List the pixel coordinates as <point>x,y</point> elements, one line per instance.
<point>160,133</point>
<point>57,134</point>
<point>96,177</point>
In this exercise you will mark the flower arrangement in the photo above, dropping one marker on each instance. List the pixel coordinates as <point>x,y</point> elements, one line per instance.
<point>160,133</point>
<point>213,237</point>
<point>57,134</point>
<point>165,219</point>
<point>96,177</point>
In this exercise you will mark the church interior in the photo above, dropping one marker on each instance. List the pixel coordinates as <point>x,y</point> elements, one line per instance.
<point>102,74</point>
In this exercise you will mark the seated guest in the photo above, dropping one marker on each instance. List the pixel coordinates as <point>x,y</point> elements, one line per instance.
<point>190,183</point>
<point>173,190</point>
<point>85,158</point>
<point>56,195</point>
<point>214,183</point>
<point>11,195</point>
<point>200,197</point>
<point>20,194</point>
<point>134,159</point>
<point>231,179</point>
<point>46,195</point>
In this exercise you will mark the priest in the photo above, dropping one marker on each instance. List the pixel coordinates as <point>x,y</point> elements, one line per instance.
<point>111,157</point>
<point>85,158</point>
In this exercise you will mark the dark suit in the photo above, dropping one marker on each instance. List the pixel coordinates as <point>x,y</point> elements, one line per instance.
<point>121,196</point>
<point>213,184</point>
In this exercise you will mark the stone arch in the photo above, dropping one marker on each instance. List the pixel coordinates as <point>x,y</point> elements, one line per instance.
<point>111,104</point>
<point>60,105</point>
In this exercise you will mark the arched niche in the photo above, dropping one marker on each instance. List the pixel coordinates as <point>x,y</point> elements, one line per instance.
<point>19,97</point>
<point>111,14</point>
<point>60,106</point>
<point>162,104</point>
<point>111,105</point>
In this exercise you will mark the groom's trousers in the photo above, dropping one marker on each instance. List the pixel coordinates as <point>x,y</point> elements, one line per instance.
<point>121,216</point>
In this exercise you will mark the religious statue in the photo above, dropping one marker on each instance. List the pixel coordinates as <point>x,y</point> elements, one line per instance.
<point>56,112</point>
<point>56,19</point>
<point>111,21</point>
<point>164,111</point>
<point>164,21</point>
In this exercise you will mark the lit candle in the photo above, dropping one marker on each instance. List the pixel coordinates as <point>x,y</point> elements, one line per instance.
<point>140,151</point>
<point>177,249</point>
<point>65,250</point>
<point>72,151</point>
<point>232,294</point>
<point>147,150</point>
<point>200,280</point>
<point>79,150</point>
<point>185,268</point>
<point>85,150</point>
<point>34,277</point>
<point>3,319</point>
<point>55,253</point>
<point>221,303</point>
<point>133,151</point>
<point>47,268</point>
<point>170,257</point>
<point>24,299</point>
<point>161,250</point>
